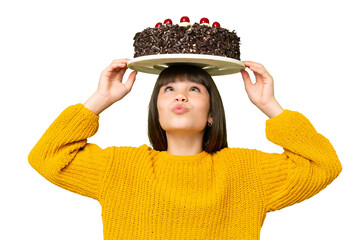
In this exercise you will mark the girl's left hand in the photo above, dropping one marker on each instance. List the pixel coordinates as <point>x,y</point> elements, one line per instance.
<point>261,93</point>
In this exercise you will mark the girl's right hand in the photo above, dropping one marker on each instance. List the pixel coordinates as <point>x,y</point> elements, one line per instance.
<point>111,88</point>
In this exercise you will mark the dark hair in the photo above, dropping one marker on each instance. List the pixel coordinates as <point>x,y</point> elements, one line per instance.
<point>215,137</point>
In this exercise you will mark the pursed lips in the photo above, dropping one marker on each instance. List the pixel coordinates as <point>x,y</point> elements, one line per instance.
<point>179,108</point>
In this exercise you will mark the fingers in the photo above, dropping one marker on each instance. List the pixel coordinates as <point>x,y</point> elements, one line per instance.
<point>259,70</point>
<point>116,69</point>
<point>120,61</point>
<point>252,64</point>
<point>256,67</point>
<point>117,65</point>
<point>130,81</point>
<point>246,78</point>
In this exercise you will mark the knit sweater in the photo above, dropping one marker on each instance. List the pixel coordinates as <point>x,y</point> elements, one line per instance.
<point>148,194</point>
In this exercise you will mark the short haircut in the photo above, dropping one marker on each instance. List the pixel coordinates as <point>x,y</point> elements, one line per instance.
<point>215,137</point>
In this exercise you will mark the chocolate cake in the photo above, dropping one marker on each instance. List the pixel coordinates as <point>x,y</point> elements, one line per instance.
<point>187,39</point>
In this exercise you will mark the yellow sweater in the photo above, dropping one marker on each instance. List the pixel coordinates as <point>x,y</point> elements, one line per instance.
<point>147,194</point>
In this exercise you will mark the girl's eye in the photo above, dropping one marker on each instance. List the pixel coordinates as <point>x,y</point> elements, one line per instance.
<point>168,89</point>
<point>195,89</point>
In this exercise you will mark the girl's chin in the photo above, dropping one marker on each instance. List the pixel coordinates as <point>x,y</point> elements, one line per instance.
<point>183,125</point>
<point>183,129</point>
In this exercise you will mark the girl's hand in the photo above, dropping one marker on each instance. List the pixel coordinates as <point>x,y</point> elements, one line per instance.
<point>261,93</point>
<point>111,88</point>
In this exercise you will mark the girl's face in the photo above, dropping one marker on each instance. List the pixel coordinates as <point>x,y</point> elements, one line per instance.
<point>183,107</point>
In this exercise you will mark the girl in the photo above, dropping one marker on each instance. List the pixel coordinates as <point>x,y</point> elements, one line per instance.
<point>189,185</point>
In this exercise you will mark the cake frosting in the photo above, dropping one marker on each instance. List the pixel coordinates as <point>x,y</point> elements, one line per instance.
<point>186,38</point>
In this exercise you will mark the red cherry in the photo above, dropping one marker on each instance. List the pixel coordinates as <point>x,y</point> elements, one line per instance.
<point>204,20</point>
<point>158,24</point>
<point>184,19</point>
<point>216,24</point>
<point>168,21</point>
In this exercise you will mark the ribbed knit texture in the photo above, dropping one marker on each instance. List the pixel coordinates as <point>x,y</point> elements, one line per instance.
<point>147,194</point>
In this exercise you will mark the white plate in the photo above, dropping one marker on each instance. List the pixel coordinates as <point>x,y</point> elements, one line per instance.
<point>214,65</point>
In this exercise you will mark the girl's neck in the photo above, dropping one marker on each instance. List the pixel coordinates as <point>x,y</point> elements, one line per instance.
<point>184,144</point>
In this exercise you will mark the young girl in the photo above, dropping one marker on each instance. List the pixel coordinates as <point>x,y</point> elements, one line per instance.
<point>189,185</point>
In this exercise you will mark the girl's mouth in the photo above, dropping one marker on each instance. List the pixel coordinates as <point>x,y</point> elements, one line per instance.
<point>179,108</point>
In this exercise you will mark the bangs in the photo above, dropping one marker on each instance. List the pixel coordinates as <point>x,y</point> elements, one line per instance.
<point>183,72</point>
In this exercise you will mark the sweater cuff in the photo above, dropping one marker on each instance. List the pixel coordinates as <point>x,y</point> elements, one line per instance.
<point>85,120</point>
<point>289,127</point>
<point>86,112</point>
<point>75,123</point>
<point>279,117</point>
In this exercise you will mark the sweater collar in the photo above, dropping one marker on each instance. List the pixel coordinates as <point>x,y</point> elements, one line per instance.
<point>165,156</point>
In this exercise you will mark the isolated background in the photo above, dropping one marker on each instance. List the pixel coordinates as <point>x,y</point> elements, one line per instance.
<point>52,54</point>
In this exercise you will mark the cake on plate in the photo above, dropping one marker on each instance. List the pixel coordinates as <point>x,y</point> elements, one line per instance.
<point>186,38</point>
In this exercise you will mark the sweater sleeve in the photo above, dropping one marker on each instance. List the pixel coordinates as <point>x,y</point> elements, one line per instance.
<point>64,157</point>
<point>309,162</point>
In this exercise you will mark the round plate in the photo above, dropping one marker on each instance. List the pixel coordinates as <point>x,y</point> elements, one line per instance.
<point>214,65</point>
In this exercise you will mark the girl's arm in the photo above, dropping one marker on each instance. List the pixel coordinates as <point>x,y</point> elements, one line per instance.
<point>309,162</point>
<point>63,155</point>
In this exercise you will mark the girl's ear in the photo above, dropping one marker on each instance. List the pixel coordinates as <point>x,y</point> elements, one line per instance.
<point>210,119</point>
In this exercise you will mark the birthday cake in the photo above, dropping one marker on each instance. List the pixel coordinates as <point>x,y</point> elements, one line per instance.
<point>186,38</point>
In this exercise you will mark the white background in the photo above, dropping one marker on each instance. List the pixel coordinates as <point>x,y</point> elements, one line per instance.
<point>52,54</point>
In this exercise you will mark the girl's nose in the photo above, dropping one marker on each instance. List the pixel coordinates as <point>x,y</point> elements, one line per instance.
<point>180,98</point>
